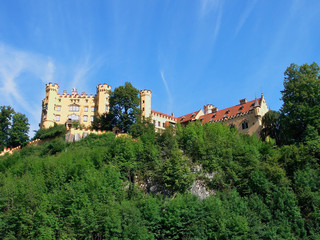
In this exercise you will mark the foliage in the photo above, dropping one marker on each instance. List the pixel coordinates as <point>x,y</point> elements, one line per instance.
<point>5,122</point>
<point>107,187</point>
<point>124,109</point>
<point>301,101</point>
<point>271,126</point>
<point>51,132</point>
<point>14,128</point>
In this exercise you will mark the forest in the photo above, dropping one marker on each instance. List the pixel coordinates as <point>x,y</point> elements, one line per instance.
<point>138,186</point>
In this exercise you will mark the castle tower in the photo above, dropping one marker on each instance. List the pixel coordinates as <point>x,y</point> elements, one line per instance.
<point>47,118</point>
<point>208,108</point>
<point>102,98</point>
<point>145,103</point>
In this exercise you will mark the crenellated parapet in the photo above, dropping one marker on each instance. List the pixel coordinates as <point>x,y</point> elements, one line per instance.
<point>103,87</point>
<point>52,87</point>
<point>145,91</point>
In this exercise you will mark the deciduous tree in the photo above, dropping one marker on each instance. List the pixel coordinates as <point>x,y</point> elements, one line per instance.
<point>124,109</point>
<point>14,128</point>
<point>301,101</point>
<point>19,130</point>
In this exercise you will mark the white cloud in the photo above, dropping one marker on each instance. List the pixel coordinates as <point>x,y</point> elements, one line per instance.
<point>211,10</point>
<point>13,63</point>
<point>82,70</point>
<point>245,16</point>
<point>167,90</point>
<point>209,5</point>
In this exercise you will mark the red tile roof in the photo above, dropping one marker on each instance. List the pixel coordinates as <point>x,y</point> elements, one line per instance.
<point>229,112</point>
<point>164,115</point>
<point>188,117</point>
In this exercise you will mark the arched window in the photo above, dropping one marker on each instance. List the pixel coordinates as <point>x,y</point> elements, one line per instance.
<point>244,125</point>
<point>73,117</point>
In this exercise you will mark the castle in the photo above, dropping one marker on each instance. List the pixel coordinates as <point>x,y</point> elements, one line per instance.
<point>56,108</point>
<point>246,116</point>
<point>82,107</point>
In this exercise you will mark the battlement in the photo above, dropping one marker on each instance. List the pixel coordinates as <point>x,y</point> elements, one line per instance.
<point>83,95</point>
<point>145,91</point>
<point>52,87</point>
<point>209,108</point>
<point>103,87</point>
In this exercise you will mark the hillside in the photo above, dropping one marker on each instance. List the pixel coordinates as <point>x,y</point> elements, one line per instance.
<point>104,187</point>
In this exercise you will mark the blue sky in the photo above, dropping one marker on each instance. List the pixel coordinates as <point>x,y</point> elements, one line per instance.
<point>188,53</point>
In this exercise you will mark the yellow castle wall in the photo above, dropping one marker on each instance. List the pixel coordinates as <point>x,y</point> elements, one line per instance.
<point>56,107</point>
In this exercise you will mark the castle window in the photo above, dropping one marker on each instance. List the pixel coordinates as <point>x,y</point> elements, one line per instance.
<point>86,100</point>
<point>59,100</point>
<point>44,116</point>
<point>245,125</point>
<point>86,109</point>
<point>159,124</point>
<point>92,118</point>
<point>57,118</point>
<point>46,106</point>
<point>107,108</point>
<point>85,118</point>
<point>143,109</point>
<point>163,124</point>
<point>92,109</point>
<point>58,108</point>
<point>142,101</point>
<point>74,108</point>
<point>73,117</point>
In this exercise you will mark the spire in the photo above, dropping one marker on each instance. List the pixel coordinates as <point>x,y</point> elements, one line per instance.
<point>256,103</point>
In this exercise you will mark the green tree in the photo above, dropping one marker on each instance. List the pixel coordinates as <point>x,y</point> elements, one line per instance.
<point>19,130</point>
<point>14,128</point>
<point>124,109</point>
<point>301,101</point>
<point>6,113</point>
<point>271,126</point>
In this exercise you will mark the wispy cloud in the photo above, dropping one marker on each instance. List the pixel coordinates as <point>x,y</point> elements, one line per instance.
<point>14,63</point>
<point>245,16</point>
<point>168,91</point>
<point>83,69</point>
<point>209,5</point>
<point>214,10</point>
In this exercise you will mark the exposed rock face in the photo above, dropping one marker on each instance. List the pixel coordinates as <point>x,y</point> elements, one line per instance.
<point>199,189</point>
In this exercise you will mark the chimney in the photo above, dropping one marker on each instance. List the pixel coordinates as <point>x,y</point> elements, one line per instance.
<point>243,101</point>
